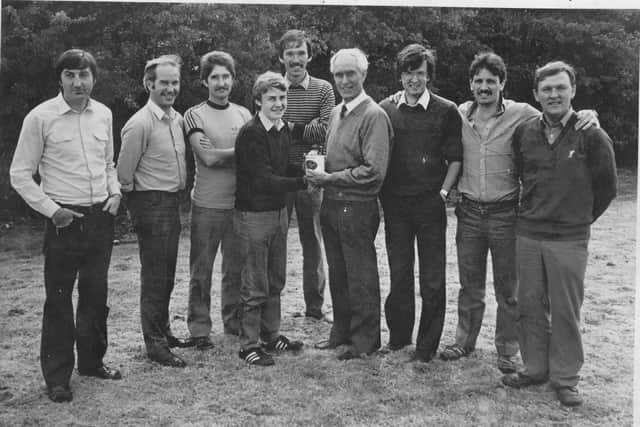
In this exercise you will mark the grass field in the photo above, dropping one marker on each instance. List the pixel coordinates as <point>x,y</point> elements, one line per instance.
<point>313,388</point>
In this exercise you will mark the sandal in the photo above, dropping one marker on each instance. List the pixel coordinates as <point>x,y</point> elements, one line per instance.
<point>453,352</point>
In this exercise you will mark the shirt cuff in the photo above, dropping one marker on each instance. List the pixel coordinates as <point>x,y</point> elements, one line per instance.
<point>49,208</point>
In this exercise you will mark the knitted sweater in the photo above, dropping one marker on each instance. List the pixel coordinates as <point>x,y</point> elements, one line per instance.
<point>358,147</point>
<point>261,168</point>
<point>424,142</point>
<point>567,185</point>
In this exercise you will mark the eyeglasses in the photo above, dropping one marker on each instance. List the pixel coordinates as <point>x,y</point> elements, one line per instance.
<point>418,75</point>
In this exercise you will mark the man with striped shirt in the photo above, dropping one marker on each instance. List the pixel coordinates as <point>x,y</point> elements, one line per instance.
<point>310,101</point>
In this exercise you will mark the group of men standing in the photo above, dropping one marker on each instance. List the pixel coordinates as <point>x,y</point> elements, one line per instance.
<point>530,184</point>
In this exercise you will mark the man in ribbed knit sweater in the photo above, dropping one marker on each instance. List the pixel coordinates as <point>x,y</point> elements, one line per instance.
<point>425,161</point>
<point>568,180</point>
<point>358,145</point>
<point>309,103</point>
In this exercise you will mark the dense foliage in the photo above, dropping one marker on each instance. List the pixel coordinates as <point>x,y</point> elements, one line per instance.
<point>602,45</point>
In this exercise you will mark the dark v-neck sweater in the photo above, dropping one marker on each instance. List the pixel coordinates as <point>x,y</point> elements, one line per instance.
<point>566,185</point>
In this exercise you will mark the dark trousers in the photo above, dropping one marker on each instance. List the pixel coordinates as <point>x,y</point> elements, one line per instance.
<point>307,205</point>
<point>349,229</point>
<point>82,250</point>
<point>484,227</point>
<point>407,220</point>
<point>263,256</point>
<point>157,223</point>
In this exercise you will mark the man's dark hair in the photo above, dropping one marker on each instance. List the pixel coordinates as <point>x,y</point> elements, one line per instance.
<point>76,59</point>
<point>412,57</point>
<point>213,58</point>
<point>293,38</point>
<point>553,68</point>
<point>492,62</point>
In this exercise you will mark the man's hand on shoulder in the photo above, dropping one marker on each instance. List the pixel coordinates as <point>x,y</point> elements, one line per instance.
<point>63,217</point>
<point>586,119</point>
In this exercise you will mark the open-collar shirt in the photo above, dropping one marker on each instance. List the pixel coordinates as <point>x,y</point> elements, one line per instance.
<point>73,153</point>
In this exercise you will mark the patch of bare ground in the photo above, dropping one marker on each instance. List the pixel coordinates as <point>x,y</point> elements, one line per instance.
<point>313,388</point>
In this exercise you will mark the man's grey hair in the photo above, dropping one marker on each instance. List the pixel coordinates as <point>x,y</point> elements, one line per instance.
<point>357,54</point>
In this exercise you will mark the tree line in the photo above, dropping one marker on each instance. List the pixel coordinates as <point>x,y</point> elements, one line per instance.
<point>602,45</point>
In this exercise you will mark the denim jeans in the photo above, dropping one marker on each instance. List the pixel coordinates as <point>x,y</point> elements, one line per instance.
<point>550,293</point>
<point>407,220</point>
<point>157,223</point>
<point>483,228</point>
<point>211,228</point>
<point>262,240</point>
<point>82,250</point>
<point>349,229</point>
<point>307,207</point>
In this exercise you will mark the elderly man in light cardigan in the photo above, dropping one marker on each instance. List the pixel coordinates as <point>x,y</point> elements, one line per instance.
<point>359,139</point>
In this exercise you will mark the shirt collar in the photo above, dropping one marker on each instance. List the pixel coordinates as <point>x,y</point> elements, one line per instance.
<point>474,107</point>
<point>563,120</point>
<point>423,100</point>
<point>304,83</point>
<point>159,112</point>
<point>63,107</point>
<point>351,105</point>
<point>268,124</point>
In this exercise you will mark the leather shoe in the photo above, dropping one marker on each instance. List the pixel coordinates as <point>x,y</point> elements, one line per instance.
<point>348,355</point>
<point>103,372</point>
<point>60,393</point>
<point>179,342</point>
<point>325,345</point>
<point>569,396</point>
<point>202,343</point>
<point>520,380</point>
<point>169,359</point>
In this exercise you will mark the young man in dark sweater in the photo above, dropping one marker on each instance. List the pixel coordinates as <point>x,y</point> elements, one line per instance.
<point>260,221</point>
<point>424,163</point>
<point>568,180</point>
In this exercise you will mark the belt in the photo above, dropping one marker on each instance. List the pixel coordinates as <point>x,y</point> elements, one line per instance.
<point>87,210</point>
<point>502,205</point>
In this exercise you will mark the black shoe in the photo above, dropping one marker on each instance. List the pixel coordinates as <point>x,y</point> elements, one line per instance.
<point>569,396</point>
<point>103,372</point>
<point>397,346</point>
<point>60,393</point>
<point>348,355</point>
<point>179,342</point>
<point>168,359</point>
<point>256,356</point>
<point>228,330</point>
<point>201,343</point>
<point>520,380</point>
<point>282,343</point>
<point>422,356</point>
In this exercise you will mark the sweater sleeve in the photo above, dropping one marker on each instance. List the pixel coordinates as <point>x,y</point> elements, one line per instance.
<point>602,165</point>
<point>261,173</point>
<point>453,135</point>
<point>375,143</point>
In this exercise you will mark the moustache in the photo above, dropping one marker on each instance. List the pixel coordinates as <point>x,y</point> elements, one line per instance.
<point>484,92</point>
